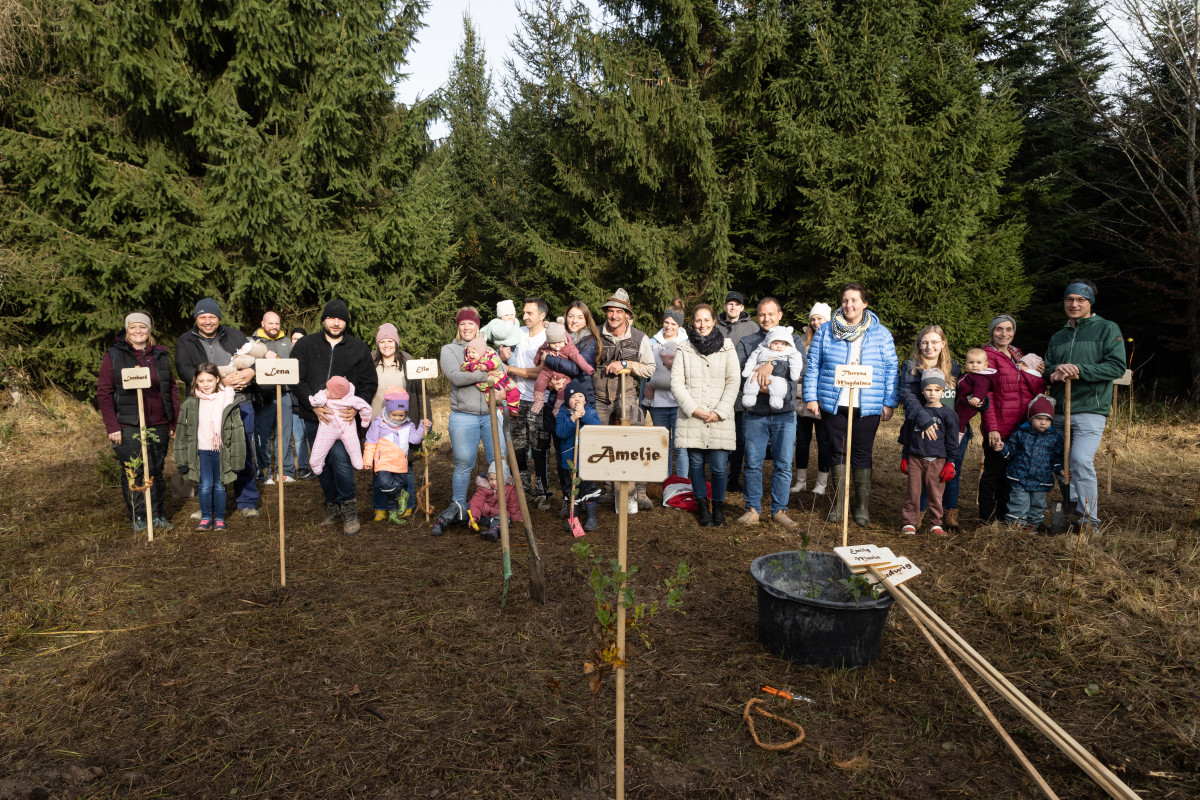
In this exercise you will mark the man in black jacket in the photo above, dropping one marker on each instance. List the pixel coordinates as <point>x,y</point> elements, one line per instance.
<point>210,341</point>
<point>334,352</point>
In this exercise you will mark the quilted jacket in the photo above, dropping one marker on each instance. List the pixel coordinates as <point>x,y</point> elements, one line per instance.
<point>1034,458</point>
<point>1012,390</point>
<point>879,351</point>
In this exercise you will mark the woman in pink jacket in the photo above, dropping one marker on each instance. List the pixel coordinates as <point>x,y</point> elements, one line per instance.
<point>1014,386</point>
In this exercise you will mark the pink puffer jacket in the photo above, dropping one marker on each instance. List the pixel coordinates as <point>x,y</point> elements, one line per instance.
<point>1012,390</point>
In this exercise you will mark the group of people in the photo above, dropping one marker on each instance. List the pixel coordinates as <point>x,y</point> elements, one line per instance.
<point>732,391</point>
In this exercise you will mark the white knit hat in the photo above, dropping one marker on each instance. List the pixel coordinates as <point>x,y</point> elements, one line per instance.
<point>821,310</point>
<point>506,307</point>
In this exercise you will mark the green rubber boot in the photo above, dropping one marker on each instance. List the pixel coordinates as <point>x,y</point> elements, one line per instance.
<point>862,496</point>
<point>837,476</point>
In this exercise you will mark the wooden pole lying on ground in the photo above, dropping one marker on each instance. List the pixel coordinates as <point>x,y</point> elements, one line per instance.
<point>279,449</point>
<point>622,550</point>
<point>145,469</point>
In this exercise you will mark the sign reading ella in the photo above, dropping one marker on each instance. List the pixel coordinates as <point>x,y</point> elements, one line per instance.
<point>616,453</point>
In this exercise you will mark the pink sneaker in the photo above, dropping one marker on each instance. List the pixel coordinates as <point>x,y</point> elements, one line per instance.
<point>937,530</point>
<point>219,525</point>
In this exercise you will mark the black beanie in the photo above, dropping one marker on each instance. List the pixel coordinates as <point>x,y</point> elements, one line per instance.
<point>336,309</point>
<point>207,306</point>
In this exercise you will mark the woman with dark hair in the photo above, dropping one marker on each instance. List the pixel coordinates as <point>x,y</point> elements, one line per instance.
<point>1018,379</point>
<point>853,336</point>
<point>662,404</point>
<point>582,330</point>
<point>705,379</point>
<point>135,347</point>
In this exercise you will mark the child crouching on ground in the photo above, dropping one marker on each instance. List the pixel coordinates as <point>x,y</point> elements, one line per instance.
<point>483,514</point>
<point>389,439</point>
<point>337,396</point>
<point>210,443</point>
<point>778,346</point>
<point>929,463</point>
<point>1035,455</point>
<point>576,408</point>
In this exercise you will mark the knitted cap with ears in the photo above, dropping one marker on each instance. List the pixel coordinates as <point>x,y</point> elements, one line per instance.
<point>555,332</point>
<point>780,333</point>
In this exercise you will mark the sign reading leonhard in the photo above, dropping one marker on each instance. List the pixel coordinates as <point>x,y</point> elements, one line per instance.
<point>276,371</point>
<point>616,453</point>
<point>135,378</point>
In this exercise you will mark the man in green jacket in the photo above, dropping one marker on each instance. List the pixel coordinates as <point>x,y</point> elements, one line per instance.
<point>1089,351</point>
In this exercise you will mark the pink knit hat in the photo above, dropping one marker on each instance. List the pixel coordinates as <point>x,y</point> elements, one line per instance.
<point>337,387</point>
<point>387,331</point>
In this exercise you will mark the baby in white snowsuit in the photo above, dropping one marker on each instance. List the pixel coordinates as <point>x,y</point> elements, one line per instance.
<point>778,345</point>
<point>338,394</point>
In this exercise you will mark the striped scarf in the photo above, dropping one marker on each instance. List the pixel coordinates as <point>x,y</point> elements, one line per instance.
<point>844,332</point>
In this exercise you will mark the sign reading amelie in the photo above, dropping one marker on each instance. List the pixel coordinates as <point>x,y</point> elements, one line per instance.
<point>618,453</point>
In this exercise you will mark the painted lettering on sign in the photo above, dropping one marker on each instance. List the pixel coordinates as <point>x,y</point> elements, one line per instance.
<point>897,573</point>
<point>622,453</point>
<point>860,556</point>
<point>853,376</point>
<point>276,371</point>
<point>609,453</point>
<point>421,369</point>
<point>135,378</point>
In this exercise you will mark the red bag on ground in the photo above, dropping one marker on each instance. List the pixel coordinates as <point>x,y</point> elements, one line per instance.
<point>677,493</point>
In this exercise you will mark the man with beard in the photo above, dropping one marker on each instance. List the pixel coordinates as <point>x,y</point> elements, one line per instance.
<point>278,346</point>
<point>334,352</point>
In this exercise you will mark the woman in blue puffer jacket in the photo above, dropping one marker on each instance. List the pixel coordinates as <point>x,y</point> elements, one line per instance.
<point>854,336</point>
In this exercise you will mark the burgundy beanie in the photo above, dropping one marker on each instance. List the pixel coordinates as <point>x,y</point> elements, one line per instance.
<point>1041,406</point>
<point>337,387</point>
<point>467,314</point>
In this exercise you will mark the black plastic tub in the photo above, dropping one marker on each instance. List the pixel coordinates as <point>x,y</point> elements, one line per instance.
<point>828,630</point>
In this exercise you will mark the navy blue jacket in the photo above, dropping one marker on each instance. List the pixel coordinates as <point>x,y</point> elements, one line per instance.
<point>762,406</point>
<point>589,349</point>
<point>1034,458</point>
<point>944,446</point>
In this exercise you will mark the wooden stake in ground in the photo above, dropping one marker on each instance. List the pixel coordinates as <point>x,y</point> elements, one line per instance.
<point>852,377</point>
<point>1124,380</point>
<point>139,378</point>
<point>622,551</point>
<point>422,369</point>
<point>537,570</point>
<point>278,372</point>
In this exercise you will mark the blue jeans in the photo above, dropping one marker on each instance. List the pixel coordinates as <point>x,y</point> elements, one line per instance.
<point>666,417</point>
<point>718,467</point>
<point>779,431</point>
<point>466,433</point>
<point>337,479</point>
<point>299,443</point>
<point>264,428</point>
<point>1087,431</point>
<point>245,486</point>
<point>381,501</point>
<point>211,491</point>
<point>1024,507</point>
<point>950,491</point>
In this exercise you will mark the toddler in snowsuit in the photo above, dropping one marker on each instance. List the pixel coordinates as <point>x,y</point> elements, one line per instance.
<point>245,357</point>
<point>484,512</point>
<point>1035,455</point>
<point>778,345</point>
<point>929,463</point>
<point>559,344</point>
<point>502,329</point>
<point>338,394</point>
<point>481,358</point>
<point>389,439</point>
<point>576,407</point>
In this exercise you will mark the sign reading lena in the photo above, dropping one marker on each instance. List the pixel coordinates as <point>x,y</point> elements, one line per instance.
<point>616,453</point>
<point>276,371</point>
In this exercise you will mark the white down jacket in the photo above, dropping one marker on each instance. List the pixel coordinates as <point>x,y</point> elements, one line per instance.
<point>710,382</point>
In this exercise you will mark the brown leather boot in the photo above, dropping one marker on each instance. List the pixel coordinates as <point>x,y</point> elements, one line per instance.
<point>951,520</point>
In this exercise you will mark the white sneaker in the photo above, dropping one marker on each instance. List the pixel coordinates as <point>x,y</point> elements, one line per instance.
<point>269,482</point>
<point>288,479</point>
<point>633,504</point>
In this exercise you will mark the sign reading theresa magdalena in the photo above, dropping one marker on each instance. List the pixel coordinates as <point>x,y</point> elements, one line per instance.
<point>617,453</point>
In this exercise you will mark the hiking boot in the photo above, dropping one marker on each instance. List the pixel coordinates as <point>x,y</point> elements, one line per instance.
<point>333,515</point>
<point>839,476</point>
<point>350,523</point>
<point>705,514</point>
<point>822,483</point>
<point>644,503</point>
<point>492,534</point>
<point>718,514</point>
<point>781,518</point>
<point>380,515</point>
<point>163,524</point>
<point>396,518</point>
<point>951,520</point>
<point>862,496</point>
<point>749,518</point>
<point>139,525</point>
<point>589,516</point>
<point>249,513</point>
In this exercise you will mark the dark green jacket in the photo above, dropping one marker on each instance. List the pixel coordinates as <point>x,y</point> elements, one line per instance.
<point>1096,346</point>
<point>233,441</point>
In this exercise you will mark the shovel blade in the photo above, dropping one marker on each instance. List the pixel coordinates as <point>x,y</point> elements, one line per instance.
<point>576,528</point>
<point>537,580</point>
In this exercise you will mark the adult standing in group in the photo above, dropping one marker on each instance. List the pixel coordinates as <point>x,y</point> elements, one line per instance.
<point>470,418</point>
<point>853,336</point>
<point>664,409</point>
<point>299,439</point>
<point>932,351</point>
<point>735,324</point>
<point>624,350</point>
<point>279,345</point>
<point>809,424</point>
<point>334,352</point>
<point>210,341</point>
<point>581,327</point>
<point>389,361</point>
<point>705,378</point>
<point>135,347</point>
<point>766,425</point>
<point>1014,385</point>
<point>1089,351</point>
<point>529,431</point>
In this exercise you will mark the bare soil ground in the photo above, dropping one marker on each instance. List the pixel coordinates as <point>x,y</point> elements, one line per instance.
<point>386,668</point>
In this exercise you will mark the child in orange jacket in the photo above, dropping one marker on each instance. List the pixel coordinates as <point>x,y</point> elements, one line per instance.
<point>389,439</point>
<point>484,512</point>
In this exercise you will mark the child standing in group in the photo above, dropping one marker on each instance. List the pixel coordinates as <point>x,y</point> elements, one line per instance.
<point>973,388</point>
<point>777,346</point>
<point>389,439</point>
<point>559,344</point>
<point>210,443</point>
<point>576,408</point>
<point>929,463</point>
<point>337,395</point>
<point>484,511</point>
<point>1035,455</point>
<point>481,358</point>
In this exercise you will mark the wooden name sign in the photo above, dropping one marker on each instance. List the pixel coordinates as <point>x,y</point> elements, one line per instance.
<point>421,369</point>
<point>898,573</point>
<point>135,378</point>
<point>1126,379</point>
<point>853,376</point>
<point>276,371</point>
<point>860,556</point>
<point>617,453</point>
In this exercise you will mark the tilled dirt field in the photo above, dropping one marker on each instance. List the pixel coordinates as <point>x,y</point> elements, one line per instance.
<point>386,668</point>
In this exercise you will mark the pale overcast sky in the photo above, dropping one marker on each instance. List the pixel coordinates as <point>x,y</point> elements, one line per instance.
<point>430,58</point>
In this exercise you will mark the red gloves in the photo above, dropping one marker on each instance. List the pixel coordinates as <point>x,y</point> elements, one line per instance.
<point>904,465</point>
<point>947,472</point>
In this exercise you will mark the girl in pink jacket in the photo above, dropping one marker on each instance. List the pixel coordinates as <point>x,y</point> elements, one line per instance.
<point>484,512</point>
<point>338,395</point>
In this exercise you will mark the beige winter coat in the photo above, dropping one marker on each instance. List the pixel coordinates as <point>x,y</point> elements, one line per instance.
<point>709,382</point>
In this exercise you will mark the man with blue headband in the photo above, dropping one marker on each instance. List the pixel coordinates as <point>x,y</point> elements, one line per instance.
<point>1089,351</point>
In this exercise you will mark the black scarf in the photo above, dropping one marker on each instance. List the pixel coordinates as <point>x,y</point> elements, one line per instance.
<point>706,345</point>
